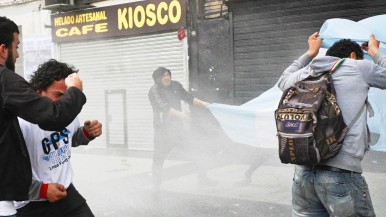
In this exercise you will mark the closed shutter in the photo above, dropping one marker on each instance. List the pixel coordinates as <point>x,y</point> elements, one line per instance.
<point>117,75</point>
<point>270,34</point>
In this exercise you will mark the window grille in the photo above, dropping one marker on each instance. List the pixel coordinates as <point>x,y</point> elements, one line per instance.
<point>215,9</point>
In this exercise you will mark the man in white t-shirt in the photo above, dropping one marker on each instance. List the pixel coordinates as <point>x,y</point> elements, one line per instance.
<point>50,151</point>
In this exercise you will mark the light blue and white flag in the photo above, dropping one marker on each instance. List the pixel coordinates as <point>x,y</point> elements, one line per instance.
<point>335,29</point>
<point>253,123</point>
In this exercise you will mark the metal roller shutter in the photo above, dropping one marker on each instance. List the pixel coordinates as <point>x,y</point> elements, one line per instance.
<point>117,74</point>
<point>270,34</point>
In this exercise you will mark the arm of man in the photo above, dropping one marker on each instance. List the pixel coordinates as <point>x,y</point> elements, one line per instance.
<point>22,100</point>
<point>380,59</point>
<point>375,74</point>
<point>375,53</point>
<point>159,104</point>
<point>185,95</point>
<point>90,130</point>
<point>296,72</point>
<point>201,103</point>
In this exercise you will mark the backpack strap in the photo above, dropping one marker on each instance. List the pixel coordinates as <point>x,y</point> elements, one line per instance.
<point>370,109</point>
<point>366,104</point>
<point>357,115</point>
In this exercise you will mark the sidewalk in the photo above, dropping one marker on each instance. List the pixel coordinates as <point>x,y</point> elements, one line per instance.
<point>118,183</point>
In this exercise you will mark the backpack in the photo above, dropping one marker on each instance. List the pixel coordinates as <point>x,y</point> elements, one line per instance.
<point>309,121</point>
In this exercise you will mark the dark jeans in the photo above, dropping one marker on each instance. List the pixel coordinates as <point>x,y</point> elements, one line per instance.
<point>74,205</point>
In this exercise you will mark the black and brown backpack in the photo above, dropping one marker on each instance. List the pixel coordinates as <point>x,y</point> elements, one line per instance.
<point>309,122</point>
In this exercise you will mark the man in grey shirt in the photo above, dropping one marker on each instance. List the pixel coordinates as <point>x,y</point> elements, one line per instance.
<point>336,187</point>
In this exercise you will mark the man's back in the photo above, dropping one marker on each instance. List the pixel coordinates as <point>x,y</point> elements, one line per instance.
<point>352,81</point>
<point>328,186</point>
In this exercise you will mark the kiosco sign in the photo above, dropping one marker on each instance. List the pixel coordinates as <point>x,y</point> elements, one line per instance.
<point>125,19</point>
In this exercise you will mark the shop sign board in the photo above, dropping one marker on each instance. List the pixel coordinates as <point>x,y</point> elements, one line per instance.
<point>118,20</point>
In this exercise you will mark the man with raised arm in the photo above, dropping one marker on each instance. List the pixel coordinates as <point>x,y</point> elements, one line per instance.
<point>336,187</point>
<point>19,99</point>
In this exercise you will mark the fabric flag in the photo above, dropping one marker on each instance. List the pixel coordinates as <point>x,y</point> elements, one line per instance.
<point>335,29</point>
<point>253,123</point>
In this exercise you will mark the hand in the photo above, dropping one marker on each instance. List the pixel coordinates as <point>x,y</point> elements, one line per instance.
<point>179,114</point>
<point>200,103</point>
<point>372,46</point>
<point>205,104</point>
<point>314,44</point>
<point>56,192</point>
<point>73,80</point>
<point>93,128</point>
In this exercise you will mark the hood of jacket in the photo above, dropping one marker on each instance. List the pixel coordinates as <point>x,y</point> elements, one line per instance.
<point>158,73</point>
<point>321,64</point>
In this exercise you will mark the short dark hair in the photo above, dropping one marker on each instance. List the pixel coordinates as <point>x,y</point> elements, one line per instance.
<point>343,49</point>
<point>7,28</point>
<point>48,72</point>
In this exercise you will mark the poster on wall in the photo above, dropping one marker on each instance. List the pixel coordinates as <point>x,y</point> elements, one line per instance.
<point>36,51</point>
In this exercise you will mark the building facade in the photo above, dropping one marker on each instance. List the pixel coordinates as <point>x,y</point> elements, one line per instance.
<point>116,47</point>
<point>223,51</point>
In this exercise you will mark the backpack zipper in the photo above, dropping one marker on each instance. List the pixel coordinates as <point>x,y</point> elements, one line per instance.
<point>295,135</point>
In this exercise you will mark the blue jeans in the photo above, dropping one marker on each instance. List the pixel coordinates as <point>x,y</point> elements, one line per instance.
<point>321,193</point>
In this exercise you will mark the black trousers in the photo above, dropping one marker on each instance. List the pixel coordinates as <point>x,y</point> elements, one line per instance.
<point>74,205</point>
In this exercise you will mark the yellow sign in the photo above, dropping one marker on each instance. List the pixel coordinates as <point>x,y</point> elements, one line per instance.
<point>150,15</point>
<point>119,20</point>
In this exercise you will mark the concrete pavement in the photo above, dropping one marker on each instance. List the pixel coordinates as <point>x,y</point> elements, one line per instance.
<point>118,183</point>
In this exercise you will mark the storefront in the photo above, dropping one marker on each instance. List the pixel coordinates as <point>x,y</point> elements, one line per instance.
<point>116,49</point>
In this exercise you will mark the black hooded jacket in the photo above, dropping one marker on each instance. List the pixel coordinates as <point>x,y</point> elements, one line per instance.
<point>162,98</point>
<point>17,98</point>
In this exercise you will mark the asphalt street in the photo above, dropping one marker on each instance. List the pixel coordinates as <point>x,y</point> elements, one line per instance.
<point>117,182</point>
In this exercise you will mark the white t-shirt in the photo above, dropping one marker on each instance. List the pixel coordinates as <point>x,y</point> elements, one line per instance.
<point>7,208</point>
<point>50,153</point>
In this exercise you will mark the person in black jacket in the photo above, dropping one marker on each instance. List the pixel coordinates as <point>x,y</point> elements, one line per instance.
<point>18,98</point>
<point>170,121</point>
